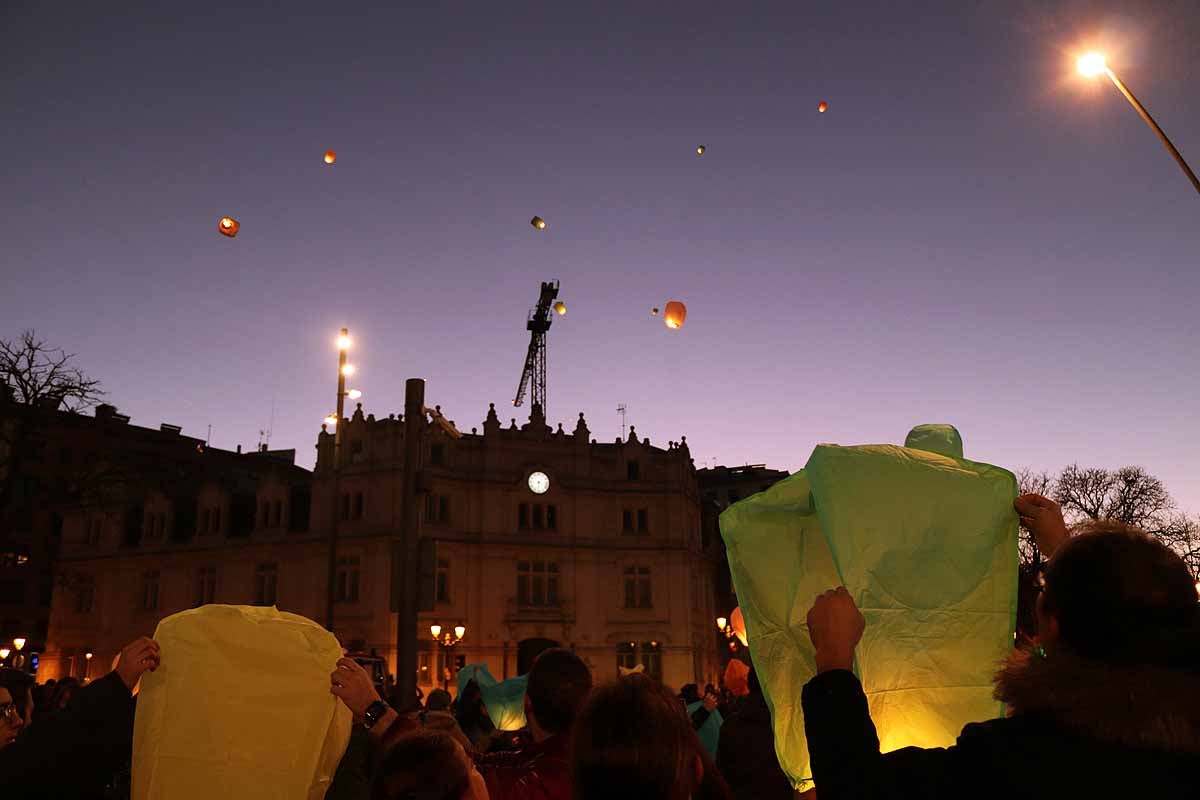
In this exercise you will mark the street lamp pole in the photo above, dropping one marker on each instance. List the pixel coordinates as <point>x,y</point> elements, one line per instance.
<point>404,559</point>
<point>343,349</point>
<point>1092,64</point>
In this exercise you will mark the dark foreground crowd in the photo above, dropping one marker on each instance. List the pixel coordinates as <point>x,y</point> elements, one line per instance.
<point>1106,702</point>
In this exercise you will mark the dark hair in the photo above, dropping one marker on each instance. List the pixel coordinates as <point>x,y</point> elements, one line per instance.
<point>423,765</point>
<point>17,683</point>
<point>633,741</point>
<point>559,682</point>
<point>1122,597</point>
<point>690,693</point>
<point>62,694</point>
<point>438,700</point>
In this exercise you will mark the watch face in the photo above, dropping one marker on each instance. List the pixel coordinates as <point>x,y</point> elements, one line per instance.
<point>539,483</point>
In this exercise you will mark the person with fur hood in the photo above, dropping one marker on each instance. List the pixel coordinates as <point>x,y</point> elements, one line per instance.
<point>1107,702</point>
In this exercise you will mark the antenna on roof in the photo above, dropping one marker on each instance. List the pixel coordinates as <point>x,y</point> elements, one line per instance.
<point>208,439</point>
<point>621,409</point>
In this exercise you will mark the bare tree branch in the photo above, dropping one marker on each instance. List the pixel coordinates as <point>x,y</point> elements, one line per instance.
<point>36,373</point>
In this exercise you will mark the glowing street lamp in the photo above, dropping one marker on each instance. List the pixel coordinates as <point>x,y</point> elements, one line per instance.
<point>446,641</point>
<point>4,651</point>
<point>19,643</point>
<point>1091,65</point>
<point>345,369</point>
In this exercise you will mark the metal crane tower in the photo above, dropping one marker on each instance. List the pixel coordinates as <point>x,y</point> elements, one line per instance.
<point>535,359</point>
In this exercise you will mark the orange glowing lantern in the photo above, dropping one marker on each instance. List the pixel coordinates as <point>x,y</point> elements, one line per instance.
<point>330,156</point>
<point>228,226</point>
<point>675,314</point>
<point>560,308</point>
<point>538,223</point>
<point>822,106</point>
<point>700,150</point>
<point>654,312</point>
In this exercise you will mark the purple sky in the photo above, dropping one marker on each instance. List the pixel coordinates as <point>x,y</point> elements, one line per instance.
<point>971,234</point>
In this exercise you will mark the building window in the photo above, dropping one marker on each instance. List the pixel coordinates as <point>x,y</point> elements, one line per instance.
<point>652,659</point>
<point>635,521</point>
<point>637,587</point>
<point>538,522</point>
<point>206,585</point>
<point>425,675</point>
<point>537,583</point>
<point>551,518</point>
<point>345,507</point>
<point>13,559</point>
<point>633,470</point>
<point>216,520</point>
<point>437,455</point>
<point>356,450</point>
<point>443,581</point>
<point>626,656</point>
<point>150,590</point>
<point>347,579</point>
<point>437,509</point>
<point>523,516</point>
<point>85,595</point>
<point>277,517</point>
<point>92,530</point>
<point>358,505</point>
<point>266,582</point>
<point>627,521</point>
<point>642,519</point>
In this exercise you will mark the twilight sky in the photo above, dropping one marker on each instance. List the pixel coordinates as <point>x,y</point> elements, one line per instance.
<point>971,234</point>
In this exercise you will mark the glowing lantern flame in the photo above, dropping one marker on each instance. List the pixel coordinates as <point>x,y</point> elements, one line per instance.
<point>675,314</point>
<point>330,156</point>
<point>700,150</point>
<point>229,226</point>
<point>538,223</point>
<point>654,312</point>
<point>560,308</point>
<point>822,107</point>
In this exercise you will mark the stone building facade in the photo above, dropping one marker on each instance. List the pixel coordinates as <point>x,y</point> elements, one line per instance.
<point>604,557</point>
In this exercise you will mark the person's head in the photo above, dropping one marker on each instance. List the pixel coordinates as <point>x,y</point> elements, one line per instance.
<point>428,765</point>
<point>63,693</point>
<point>1116,595</point>
<point>690,693</point>
<point>438,700</point>
<point>559,682</point>
<point>16,704</point>
<point>633,741</point>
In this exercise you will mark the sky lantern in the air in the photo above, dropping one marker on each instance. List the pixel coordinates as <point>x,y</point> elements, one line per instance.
<point>654,311</point>
<point>738,623</point>
<point>228,226</point>
<point>330,156</point>
<point>675,314</point>
<point>538,223</point>
<point>560,308</point>
<point>700,150</point>
<point>822,107</point>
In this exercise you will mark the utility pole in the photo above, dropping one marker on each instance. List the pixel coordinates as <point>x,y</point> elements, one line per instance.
<point>343,348</point>
<point>405,561</point>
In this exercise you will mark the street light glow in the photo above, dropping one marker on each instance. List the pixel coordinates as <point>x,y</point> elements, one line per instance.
<point>459,631</point>
<point>354,394</point>
<point>18,643</point>
<point>343,342</point>
<point>348,370</point>
<point>721,622</point>
<point>1091,64</point>
<point>436,630</point>
<point>331,420</point>
<point>88,655</point>
<point>4,651</point>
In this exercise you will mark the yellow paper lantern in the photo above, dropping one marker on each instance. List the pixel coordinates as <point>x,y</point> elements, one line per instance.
<point>330,156</point>
<point>538,223</point>
<point>560,308</point>
<point>675,314</point>
<point>229,226</point>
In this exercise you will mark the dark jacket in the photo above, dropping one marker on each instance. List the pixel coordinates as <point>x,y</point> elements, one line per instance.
<point>1077,729</point>
<point>75,752</point>
<point>746,755</point>
<point>539,771</point>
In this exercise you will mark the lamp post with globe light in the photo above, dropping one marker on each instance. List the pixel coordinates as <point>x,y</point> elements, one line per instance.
<point>1091,65</point>
<point>446,642</point>
<point>345,370</point>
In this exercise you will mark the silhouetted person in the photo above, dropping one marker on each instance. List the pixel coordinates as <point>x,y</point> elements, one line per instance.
<point>746,755</point>
<point>427,765</point>
<point>559,683</point>
<point>633,742</point>
<point>1107,705</point>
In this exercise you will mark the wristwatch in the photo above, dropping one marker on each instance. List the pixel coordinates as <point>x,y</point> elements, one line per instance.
<point>373,714</point>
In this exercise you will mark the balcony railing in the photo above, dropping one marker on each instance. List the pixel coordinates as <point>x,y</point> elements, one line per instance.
<point>560,610</point>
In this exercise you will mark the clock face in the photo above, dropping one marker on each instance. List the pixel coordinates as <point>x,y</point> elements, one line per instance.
<point>538,482</point>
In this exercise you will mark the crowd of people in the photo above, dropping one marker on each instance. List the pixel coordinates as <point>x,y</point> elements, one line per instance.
<point>1106,701</point>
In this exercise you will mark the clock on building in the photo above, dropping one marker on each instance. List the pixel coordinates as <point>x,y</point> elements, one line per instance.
<point>538,482</point>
